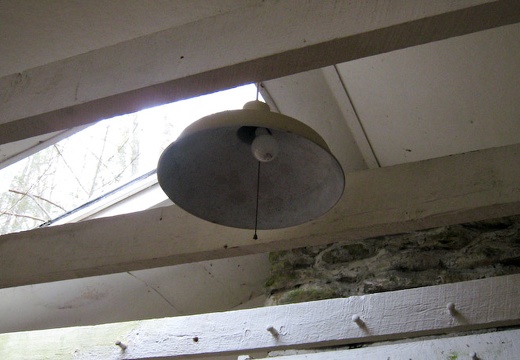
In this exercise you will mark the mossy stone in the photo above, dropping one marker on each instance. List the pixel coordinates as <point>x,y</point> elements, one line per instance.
<point>304,295</point>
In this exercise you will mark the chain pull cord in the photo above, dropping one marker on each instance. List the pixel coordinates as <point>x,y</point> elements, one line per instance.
<point>255,236</point>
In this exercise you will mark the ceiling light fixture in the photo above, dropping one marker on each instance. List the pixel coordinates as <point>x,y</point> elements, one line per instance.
<point>251,169</point>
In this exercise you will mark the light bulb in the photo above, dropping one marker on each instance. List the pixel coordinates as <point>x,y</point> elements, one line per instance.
<point>264,147</point>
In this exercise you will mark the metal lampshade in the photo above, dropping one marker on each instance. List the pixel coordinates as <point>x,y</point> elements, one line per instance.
<point>211,172</point>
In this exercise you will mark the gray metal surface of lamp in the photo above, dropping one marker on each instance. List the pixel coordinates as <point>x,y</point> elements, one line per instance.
<point>221,171</point>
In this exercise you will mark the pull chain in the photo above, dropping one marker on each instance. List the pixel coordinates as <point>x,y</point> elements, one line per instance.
<point>255,237</point>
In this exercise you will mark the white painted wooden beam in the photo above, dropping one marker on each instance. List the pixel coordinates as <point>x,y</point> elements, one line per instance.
<point>493,345</point>
<point>252,44</point>
<point>309,98</point>
<point>350,115</point>
<point>479,304</point>
<point>403,198</point>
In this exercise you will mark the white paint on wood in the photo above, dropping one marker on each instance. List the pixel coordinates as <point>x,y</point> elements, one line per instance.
<point>16,151</point>
<point>503,345</point>
<point>208,286</point>
<point>480,304</point>
<point>41,32</point>
<point>403,198</point>
<point>228,50</point>
<point>309,98</point>
<point>340,94</point>
<point>439,99</point>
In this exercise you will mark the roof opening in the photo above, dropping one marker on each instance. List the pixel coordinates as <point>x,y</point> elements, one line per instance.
<point>105,158</point>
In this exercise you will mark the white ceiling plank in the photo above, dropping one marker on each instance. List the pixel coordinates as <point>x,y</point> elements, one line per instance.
<point>307,97</point>
<point>439,99</point>
<point>87,301</point>
<point>402,198</point>
<point>186,289</point>
<point>40,32</point>
<point>189,60</point>
<point>383,316</point>
<point>339,92</point>
<point>492,345</point>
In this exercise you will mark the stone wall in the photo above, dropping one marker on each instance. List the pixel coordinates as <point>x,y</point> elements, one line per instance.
<point>431,257</point>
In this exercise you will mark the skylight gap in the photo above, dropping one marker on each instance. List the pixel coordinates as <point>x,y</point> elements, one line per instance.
<point>76,171</point>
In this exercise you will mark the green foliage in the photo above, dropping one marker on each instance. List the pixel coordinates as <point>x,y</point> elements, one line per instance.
<point>304,295</point>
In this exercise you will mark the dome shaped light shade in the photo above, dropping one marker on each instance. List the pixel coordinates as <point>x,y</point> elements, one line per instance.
<point>210,170</point>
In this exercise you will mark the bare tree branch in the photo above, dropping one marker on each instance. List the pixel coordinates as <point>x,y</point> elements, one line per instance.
<point>100,161</point>
<point>23,216</point>
<point>38,197</point>
<point>30,187</point>
<point>68,166</point>
<point>36,202</point>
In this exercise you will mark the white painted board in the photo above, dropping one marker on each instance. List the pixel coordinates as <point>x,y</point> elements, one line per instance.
<point>479,304</point>
<point>504,345</point>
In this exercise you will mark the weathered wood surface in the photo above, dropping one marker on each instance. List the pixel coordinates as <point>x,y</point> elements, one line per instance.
<point>403,198</point>
<point>503,345</point>
<point>478,304</point>
<point>252,44</point>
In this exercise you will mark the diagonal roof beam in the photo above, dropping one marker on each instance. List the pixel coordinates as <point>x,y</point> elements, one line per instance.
<point>403,198</point>
<point>267,41</point>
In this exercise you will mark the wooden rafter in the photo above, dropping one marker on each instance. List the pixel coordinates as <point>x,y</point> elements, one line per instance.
<point>189,60</point>
<point>403,198</point>
<point>360,319</point>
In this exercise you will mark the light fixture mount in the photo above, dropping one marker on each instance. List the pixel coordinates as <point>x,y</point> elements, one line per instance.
<point>211,172</point>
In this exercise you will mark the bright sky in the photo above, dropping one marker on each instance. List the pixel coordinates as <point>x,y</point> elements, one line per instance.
<point>185,112</point>
<point>157,127</point>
